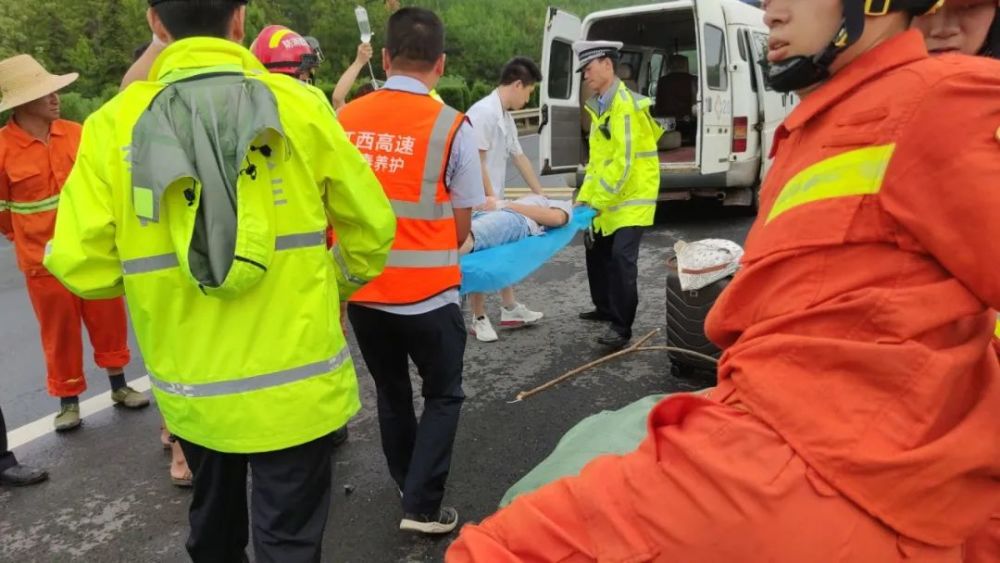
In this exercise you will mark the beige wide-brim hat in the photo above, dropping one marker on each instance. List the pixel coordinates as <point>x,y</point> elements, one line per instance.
<point>23,80</point>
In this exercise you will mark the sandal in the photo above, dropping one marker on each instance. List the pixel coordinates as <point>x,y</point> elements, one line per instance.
<point>186,479</point>
<point>185,482</point>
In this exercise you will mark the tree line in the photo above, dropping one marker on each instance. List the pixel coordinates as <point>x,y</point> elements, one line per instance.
<point>97,38</point>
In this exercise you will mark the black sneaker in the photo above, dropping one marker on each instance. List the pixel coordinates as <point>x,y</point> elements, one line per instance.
<point>22,476</point>
<point>613,339</point>
<point>595,315</point>
<point>443,522</point>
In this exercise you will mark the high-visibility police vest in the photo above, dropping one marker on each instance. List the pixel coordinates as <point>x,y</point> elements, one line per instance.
<point>623,174</point>
<point>407,137</point>
<point>264,370</point>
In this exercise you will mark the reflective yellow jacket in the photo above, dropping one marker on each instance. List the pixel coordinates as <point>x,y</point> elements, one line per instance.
<point>269,368</point>
<point>623,174</point>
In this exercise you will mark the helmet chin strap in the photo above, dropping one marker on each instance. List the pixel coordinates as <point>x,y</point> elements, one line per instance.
<point>801,72</point>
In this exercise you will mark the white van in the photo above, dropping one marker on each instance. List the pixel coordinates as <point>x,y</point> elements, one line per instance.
<point>700,62</point>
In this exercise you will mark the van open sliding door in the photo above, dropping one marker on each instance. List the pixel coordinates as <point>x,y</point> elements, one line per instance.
<point>559,145</point>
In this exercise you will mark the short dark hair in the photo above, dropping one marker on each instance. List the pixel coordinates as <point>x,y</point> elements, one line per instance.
<point>520,68</point>
<point>414,38</point>
<point>200,18</point>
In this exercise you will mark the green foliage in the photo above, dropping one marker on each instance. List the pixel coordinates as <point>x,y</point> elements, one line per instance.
<point>96,37</point>
<point>455,92</point>
<point>481,89</point>
<point>76,107</point>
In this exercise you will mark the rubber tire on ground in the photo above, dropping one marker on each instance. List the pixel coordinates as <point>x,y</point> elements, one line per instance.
<point>685,320</point>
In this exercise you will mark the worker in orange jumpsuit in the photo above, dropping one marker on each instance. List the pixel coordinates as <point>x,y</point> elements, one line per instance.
<point>970,27</point>
<point>37,152</point>
<point>855,417</point>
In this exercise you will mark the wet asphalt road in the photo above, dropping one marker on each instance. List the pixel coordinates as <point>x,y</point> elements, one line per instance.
<point>109,498</point>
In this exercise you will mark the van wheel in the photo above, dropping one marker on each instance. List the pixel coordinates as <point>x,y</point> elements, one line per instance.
<point>754,207</point>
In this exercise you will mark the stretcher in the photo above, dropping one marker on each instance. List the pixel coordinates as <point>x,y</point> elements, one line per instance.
<point>493,269</point>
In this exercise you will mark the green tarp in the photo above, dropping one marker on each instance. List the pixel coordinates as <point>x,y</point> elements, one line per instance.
<point>608,432</point>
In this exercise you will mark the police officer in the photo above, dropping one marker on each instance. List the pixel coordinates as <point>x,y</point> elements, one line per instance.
<point>622,182</point>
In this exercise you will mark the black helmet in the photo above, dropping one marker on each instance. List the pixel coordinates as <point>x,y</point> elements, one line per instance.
<point>797,73</point>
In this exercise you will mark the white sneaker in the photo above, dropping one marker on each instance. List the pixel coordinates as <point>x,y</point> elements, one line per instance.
<point>519,316</point>
<point>443,522</point>
<point>483,330</point>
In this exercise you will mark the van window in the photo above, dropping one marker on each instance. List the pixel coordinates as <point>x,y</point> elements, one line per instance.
<point>741,41</point>
<point>761,40</point>
<point>560,77</point>
<point>745,44</point>
<point>655,70</point>
<point>715,58</point>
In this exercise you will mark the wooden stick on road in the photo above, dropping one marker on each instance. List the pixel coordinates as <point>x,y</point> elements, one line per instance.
<point>633,348</point>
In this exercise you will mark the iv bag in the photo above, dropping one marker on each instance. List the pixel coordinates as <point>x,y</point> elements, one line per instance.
<point>361,14</point>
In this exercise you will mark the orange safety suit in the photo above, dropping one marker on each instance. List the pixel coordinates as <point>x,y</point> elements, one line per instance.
<point>409,157</point>
<point>32,174</point>
<point>856,417</point>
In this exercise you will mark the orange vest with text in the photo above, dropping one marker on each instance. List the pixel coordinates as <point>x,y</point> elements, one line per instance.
<point>407,139</point>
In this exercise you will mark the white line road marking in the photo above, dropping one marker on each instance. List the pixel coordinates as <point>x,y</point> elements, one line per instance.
<point>43,426</point>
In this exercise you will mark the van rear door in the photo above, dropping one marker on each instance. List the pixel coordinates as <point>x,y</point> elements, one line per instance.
<point>715,114</point>
<point>773,103</point>
<point>560,134</point>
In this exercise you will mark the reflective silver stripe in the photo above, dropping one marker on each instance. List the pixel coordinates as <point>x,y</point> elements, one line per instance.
<point>149,264</point>
<point>628,153</point>
<point>29,207</point>
<point>281,202</point>
<point>165,261</point>
<point>637,101</point>
<point>432,212</point>
<point>422,258</point>
<point>647,154</point>
<point>631,203</point>
<point>288,242</point>
<point>437,150</point>
<point>255,383</point>
<point>628,160</point>
<point>338,257</point>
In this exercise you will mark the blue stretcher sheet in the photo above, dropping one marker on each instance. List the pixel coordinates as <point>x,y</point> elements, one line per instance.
<point>493,269</point>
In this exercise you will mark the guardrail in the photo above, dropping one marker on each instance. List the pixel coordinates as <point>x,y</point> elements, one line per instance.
<point>527,120</point>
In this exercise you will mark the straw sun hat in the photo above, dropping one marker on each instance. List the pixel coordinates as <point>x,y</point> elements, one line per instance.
<point>23,80</point>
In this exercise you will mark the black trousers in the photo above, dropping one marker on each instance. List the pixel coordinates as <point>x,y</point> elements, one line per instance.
<point>613,272</point>
<point>290,502</point>
<point>418,452</point>
<point>7,459</point>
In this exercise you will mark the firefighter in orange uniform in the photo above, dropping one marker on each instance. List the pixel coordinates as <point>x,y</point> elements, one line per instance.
<point>855,417</point>
<point>971,27</point>
<point>37,152</point>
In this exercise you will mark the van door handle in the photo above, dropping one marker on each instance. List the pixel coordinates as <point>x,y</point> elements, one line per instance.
<point>544,119</point>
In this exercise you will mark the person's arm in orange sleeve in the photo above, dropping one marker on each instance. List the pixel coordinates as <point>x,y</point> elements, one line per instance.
<point>6,227</point>
<point>546,525</point>
<point>946,178</point>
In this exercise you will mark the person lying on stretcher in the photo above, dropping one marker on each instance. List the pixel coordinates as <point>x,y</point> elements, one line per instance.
<point>515,220</point>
